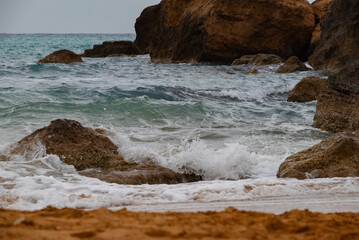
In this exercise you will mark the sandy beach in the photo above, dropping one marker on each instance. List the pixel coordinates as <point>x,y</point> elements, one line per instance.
<point>51,223</point>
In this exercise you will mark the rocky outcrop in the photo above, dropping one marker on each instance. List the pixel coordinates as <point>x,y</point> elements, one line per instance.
<point>338,105</point>
<point>347,80</point>
<point>337,111</point>
<point>222,31</point>
<point>293,64</point>
<point>115,48</point>
<point>337,156</point>
<point>308,89</point>
<point>259,59</point>
<point>320,8</point>
<point>61,56</point>
<point>94,155</point>
<point>74,144</point>
<point>338,43</point>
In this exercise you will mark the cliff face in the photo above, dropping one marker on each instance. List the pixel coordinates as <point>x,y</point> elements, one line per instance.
<point>339,40</point>
<point>223,30</point>
<point>320,8</point>
<point>338,105</point>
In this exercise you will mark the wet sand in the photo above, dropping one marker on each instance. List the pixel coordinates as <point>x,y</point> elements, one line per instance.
<point>51,223</point>
<point>324,203</point>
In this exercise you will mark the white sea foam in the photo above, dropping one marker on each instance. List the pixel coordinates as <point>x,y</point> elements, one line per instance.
<point>233,161</point>
<point>45,180</point>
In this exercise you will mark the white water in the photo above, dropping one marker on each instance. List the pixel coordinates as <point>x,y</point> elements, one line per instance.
<point>232,128</point>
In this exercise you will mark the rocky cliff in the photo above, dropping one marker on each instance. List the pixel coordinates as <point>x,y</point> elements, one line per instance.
<point>224,30</point>
<point>339,40</point>
<point>338,105</point>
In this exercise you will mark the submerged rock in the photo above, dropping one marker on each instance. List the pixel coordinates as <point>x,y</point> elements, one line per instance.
<point>259,59</point>
<point>94,155</point>
<point>110,49</point>
<point>252,71</point>
<point>308,89</point>
<point>222,31</point>
<point>293,64</point>
<point>61,56</point>
<point>339,44</point>
<point>337,156</point>
<point>338,105</point>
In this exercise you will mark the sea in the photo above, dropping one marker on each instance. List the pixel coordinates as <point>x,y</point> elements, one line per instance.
<point>232,128</point>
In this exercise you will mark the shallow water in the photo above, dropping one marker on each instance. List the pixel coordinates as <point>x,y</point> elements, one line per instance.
<point>212,119</point>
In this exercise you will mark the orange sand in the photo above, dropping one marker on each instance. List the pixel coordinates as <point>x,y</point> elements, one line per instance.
<point>51,223</point>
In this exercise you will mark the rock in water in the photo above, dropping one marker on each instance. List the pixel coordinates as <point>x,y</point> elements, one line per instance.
<point>61,56</point>
<point>259,59</point>
<point>74,144</point>
<point>115,48</point>
<point>339,41</point>
<point>252,71</point>
<point>222,31</point>
<point>338,105</point>
<point>293,64</point>
<point>94,155</point>
<point>337,156</point>
<point>308,89</point>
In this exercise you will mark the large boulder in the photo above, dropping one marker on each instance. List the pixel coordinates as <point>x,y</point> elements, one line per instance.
<point>222,31</point>
<point>338,105</point>
<point>94,155</point>
<point>339,41</point>
<point>62,56</point>
<point>308,89</point>
<point>259,59</point>
<point>293,64</point>
<point>320,8</point>
<point>115,48</point>
<point>337,156</point>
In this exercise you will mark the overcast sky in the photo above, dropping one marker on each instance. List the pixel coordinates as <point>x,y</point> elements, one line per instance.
<point>70,16</point>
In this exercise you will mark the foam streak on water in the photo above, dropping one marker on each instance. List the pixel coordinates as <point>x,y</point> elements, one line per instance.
<point>232,128</point>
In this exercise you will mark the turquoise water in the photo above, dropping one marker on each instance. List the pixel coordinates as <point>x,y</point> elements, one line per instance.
<point>213,119</point>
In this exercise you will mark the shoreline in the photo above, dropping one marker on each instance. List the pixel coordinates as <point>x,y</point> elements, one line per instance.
<point>323,203</point>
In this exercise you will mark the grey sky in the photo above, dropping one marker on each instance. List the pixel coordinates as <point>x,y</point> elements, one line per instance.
<point>70,16</point>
